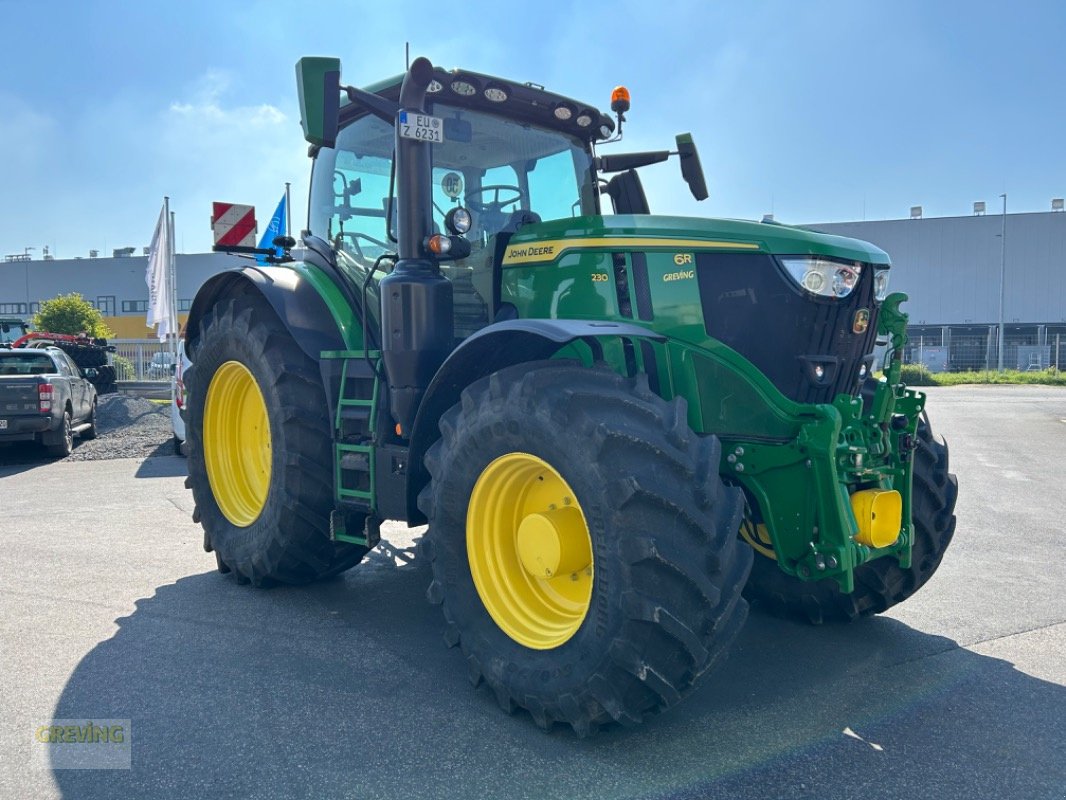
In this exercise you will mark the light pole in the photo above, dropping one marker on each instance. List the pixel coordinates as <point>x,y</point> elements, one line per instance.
<point>26,272</point>
<point>1002,277</point>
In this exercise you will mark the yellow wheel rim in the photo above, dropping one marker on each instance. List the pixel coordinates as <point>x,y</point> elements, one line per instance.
<point>529,550</point>
<point>237,444</point>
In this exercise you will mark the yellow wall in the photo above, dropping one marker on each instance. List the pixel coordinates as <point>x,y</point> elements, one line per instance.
<point>133,327</point>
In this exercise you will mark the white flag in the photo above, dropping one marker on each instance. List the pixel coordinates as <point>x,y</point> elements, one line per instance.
<point>157,276</point>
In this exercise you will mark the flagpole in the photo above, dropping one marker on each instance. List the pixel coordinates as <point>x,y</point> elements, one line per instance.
<point>173,282</point>
<point>167,220</point>
<point>288,211</point>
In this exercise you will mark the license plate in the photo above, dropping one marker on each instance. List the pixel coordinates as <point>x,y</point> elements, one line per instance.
<point>422,127</point>
<point>3,424</point>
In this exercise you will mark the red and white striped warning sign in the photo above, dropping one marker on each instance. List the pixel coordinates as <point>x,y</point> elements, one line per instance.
<point>233,225</point>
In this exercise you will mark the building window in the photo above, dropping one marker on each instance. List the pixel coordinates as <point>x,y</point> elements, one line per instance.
<point>133,306</point>
<point>184,305</point>
<point>35,308</point>
<point>12,308</point>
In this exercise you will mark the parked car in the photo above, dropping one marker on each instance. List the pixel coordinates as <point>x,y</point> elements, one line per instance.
<point>44,398</point>
<point>177,401</point>
<point>161,366</point>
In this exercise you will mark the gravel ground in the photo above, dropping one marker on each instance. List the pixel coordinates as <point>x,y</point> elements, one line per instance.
<point>129,427</point>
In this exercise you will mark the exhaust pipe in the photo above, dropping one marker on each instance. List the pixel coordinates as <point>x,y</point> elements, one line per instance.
<point>417,326</point>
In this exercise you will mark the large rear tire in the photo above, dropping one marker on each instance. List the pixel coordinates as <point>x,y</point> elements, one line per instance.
<point>104,379</point>
<point>260,450</point>
<point>880,584</point>
<point>85,356</point>
<point>600,484</point>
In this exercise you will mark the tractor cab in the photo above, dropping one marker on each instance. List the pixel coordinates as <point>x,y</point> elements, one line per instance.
<point>11,330</point>
<point>490,176</point>
<point>508,155</point>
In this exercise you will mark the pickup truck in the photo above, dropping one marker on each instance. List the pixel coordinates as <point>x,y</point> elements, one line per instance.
<point>44,398</point>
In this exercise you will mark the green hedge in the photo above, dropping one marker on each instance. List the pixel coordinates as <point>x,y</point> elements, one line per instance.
<point>918,375</point>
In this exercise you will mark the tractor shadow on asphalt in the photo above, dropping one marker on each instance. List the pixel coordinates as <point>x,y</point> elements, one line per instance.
<point>163,463</point>
<point>16,457</point>
<point>346,689</point>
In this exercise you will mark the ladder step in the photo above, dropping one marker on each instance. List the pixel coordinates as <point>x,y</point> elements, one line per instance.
<point>357,462</point>
<point>354,472</point>
<point>354,422</point>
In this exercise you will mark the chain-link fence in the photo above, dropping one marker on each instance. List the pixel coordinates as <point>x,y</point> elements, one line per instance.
<point>142,360</point>
<point>1029,348</point>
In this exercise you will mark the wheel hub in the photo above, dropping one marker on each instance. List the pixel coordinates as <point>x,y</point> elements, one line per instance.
<point>552,542</point>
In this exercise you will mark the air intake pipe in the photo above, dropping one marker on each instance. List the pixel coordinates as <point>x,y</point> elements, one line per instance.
<point>417,327</point>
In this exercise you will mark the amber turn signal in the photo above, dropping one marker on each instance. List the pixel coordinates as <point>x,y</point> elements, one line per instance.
<point>438,244</point>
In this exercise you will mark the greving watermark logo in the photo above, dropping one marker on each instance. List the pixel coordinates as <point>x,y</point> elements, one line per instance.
<point>85,744</point>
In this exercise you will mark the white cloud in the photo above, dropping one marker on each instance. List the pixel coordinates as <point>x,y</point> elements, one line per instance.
<point>206,105</point>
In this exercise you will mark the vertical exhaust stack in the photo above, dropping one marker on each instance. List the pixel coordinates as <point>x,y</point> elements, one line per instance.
<point>417,328</point>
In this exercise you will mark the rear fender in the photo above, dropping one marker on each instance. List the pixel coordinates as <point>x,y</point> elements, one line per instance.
<point>487,351</point>
<point>314,323</point>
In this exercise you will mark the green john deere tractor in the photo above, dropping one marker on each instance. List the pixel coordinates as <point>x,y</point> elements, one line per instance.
<point>618,426</point>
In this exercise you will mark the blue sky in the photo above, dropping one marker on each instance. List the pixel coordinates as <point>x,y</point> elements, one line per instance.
<point>817,111</point>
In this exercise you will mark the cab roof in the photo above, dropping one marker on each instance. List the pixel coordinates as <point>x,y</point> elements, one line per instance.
<point>526,102</point>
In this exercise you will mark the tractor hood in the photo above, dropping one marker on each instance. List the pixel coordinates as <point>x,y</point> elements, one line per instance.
<point>766,237</point>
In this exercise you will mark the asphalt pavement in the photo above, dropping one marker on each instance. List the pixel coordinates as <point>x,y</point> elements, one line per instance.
<point>110,609</point>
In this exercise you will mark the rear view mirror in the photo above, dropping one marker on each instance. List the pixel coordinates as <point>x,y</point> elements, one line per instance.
<point>318,82</point>
<point>691,169</point>
<point>458,130</point>
<point>627,193</point>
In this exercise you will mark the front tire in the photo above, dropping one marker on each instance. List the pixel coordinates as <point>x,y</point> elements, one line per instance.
<point>91,432</point>
<point>641,591</point>
<point>260,450</point>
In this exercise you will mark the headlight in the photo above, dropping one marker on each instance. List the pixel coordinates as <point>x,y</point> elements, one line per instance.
<point>457,220</point>
<point>823,277</point>
<point>881,284</point>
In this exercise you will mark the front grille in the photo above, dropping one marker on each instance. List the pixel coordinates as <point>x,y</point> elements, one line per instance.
<point>750,304</point>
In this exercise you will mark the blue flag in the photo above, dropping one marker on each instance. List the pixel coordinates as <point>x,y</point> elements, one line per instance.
<point>276,227</point>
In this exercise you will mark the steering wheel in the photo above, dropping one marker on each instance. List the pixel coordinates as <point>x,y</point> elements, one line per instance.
<point>496,204</point>
<point>354,237</point>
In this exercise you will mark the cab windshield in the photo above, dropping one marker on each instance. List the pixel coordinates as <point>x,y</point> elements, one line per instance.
<point>11,330</point>
<point>501,170</point>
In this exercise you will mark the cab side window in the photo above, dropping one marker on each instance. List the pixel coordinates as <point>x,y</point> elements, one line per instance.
<point>553,189</point>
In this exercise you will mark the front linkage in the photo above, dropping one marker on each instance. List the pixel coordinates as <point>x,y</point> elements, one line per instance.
<point>816,499</point>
